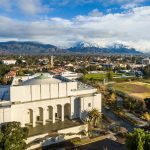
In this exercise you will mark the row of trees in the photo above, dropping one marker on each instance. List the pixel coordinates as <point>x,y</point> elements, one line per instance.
<point>134,104</point>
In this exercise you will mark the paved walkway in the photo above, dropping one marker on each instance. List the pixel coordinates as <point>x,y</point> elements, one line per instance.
<point>141,123</point>
<point>118,120</point>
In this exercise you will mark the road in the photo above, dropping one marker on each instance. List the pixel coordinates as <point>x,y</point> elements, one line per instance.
<point>117,119</point>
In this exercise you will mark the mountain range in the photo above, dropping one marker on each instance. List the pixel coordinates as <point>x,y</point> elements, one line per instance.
<point>14,47</point>
<point>116,48</point>
<point>35,48</point>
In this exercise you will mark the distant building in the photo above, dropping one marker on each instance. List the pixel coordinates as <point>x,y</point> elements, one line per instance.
<point>108,66</point>
<point>69,65</point>
<point>52,61</point>
<point>65,74</point>
<point>146,61</point>
<point>44,61</point>
<point>9,61</point>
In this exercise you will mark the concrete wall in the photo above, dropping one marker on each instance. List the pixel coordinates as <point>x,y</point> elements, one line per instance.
<point>36,93</point>
<point>5,115</point>
<point>46,91</point>
<point>20,93</point>
<point>40,92</point>
<point>88,103</point>
<point>97,103</point>
<point>59,138</point>
<point>74,130</point>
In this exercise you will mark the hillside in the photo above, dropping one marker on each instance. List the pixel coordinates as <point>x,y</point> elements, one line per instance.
<point>14,47</point>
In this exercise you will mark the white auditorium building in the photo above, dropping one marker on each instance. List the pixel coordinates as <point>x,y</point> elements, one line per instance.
<point>44,98</point>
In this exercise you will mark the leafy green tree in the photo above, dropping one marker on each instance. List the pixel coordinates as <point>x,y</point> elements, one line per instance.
<point>84,71</point>
<point>146,72</point>
<point>91,68</point>
<point>138,140</point>
<point>1,136</point>
<point>147,141</point>
<point>109,75</point>
<point>12,136</point>
<point>4,69</point>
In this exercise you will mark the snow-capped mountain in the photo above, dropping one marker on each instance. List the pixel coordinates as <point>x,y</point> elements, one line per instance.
<point>116,48</point>
<point>86,44</point>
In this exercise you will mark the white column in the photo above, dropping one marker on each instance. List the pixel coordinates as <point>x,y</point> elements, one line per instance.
<point>72,115</point>
<point>54,111</point>
<point>45,115</point>
<point>23,119</point>
<point>34,119</point>
<point>62,113</point>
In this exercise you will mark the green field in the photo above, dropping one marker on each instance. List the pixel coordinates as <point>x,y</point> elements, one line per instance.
<point>102,76</point>
<point>95,76</point>
<point>137,89</point>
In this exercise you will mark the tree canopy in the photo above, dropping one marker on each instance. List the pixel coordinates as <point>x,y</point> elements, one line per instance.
<point>138,140</point>
<point>146,72</point>
<point>12,136</point>
<point>109,75</point>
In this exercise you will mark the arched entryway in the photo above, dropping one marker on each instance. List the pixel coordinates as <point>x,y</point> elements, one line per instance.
<point>39,117</point>
<point>59,112</point>
<point>50,113</point>
<point>67,111</point>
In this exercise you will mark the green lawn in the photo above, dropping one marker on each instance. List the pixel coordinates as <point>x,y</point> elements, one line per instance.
<point>95,76</point>
<point>100,76</point>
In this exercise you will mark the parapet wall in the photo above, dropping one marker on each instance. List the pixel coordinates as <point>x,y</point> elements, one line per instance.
<point>41,92</point>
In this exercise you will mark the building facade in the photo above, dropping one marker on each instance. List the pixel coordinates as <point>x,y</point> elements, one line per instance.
<point>146,61</point>
<point>9,61</point>
<point>44,98</point>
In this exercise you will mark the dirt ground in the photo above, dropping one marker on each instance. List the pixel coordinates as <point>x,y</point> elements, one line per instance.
<point>137,89</point>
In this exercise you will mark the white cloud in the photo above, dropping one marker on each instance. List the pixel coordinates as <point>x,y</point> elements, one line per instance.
<point>130,28</point>
<point>5,4</point>
<point>31,7</point>
<point>27,7</point>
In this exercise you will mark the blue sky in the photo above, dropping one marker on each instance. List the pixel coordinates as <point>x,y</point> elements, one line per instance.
<point>65,22</point>
<point>64,8</point>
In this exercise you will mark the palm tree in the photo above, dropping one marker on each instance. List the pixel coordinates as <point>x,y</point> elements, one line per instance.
<point>94,115</point>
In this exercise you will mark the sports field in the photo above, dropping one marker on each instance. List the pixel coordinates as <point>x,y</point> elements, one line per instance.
<point>137,89</point>
<point>100,76</point>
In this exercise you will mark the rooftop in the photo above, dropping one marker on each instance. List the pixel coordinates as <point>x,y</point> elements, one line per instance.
<point>44,78</point>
